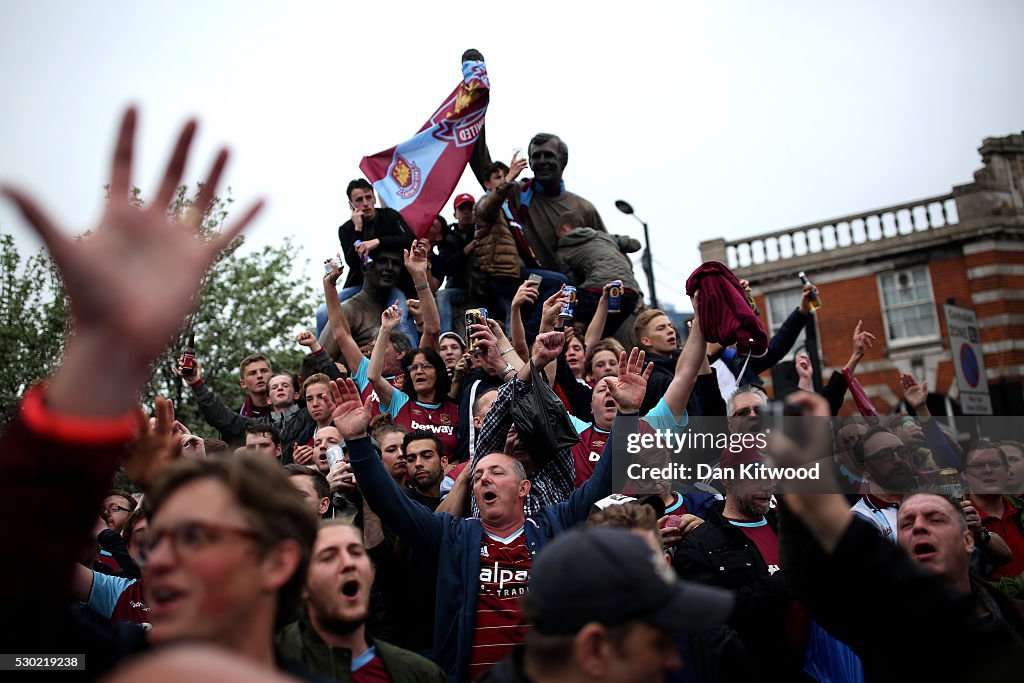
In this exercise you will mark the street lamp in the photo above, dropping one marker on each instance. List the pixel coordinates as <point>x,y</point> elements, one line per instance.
<point>625,207</point>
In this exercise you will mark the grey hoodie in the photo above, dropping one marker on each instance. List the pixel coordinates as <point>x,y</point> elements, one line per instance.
<point>596,258</point>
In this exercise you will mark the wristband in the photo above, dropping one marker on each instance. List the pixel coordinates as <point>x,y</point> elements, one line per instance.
<point>420,288</point>
<point>508,369</point>
<point>507,351</point>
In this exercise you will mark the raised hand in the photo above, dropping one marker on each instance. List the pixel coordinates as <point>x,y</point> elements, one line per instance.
<point>515,167</point>
<point>350,414</point>
<point>862,340</point>
<point>487,343</point>
<point>155,447</point>
<point>527,294</point>
<point>546,347</point>
<point>309,340</point>
<point>337,268</point>
<point>416,260</point>
<point>552,307</point>
<point>303,454</point>
<point>197,370</point>
<point>133,280</point>
<point>915,393</point>
<point>629,387</point>
<point>391,316</point>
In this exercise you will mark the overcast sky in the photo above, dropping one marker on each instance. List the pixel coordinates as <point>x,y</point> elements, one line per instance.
<point>711,118</point>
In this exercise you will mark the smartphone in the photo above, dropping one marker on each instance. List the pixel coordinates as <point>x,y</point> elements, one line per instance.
<point>778,416</point>
<point>535,280</point>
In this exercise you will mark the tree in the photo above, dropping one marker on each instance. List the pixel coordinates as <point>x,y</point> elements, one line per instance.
<point>33,321</point>
<point>248,303</point>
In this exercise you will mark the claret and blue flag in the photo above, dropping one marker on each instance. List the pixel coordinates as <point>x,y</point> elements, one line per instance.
<point>417,177</point>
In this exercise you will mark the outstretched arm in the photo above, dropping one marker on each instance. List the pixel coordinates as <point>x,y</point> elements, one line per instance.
<point>408,519</point>
<point>130,282</point>
<point>389,320</point>
<point>416,263</point>
<point>690,363</point>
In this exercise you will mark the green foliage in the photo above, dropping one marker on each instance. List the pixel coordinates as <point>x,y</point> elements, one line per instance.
<point>33,321</point>
<point>248,303</point>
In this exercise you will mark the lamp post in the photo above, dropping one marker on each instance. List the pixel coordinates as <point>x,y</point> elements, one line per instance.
<point>625,207</point>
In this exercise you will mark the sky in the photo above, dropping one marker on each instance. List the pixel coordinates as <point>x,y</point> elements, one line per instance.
<point>713,119</point>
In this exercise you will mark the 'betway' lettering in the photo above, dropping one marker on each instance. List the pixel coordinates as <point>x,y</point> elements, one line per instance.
<point>437,429</point>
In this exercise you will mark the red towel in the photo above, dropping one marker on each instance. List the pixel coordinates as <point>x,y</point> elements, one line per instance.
<point>864,404</point>
<point>724,313</point>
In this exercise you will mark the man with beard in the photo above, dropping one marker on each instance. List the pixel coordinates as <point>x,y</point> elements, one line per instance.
<point>846,576</point>
<point>425,458</point>
<point>330,638</point>
<point>885,462</point>
<point>737,547</point>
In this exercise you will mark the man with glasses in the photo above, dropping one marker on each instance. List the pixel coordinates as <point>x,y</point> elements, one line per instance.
<point>885,463</point>
<point>226,554</point>
<point>745,406</point>
<point>986,471</point>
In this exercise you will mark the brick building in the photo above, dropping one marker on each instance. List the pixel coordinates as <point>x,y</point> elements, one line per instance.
<point>894,268</point>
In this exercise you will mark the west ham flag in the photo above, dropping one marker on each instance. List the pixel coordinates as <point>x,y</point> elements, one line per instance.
<point>418,176</point>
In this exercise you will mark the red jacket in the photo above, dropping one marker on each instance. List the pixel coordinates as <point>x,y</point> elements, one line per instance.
<point>725,316</point>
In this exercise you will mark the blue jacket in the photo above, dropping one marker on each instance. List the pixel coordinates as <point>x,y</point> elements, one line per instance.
<point>455,543</point>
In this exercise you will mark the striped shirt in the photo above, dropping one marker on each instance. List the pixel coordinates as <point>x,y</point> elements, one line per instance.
<point>504,573</point>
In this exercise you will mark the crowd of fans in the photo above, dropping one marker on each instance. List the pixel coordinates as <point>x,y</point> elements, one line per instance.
<point>430,497</point>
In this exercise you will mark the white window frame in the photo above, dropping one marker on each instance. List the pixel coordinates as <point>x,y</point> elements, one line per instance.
<point>773,327</point>
<point>918,339</point>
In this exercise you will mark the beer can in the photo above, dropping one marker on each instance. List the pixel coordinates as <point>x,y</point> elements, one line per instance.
<point>615,297</point>
<point>474,316</point>
<point>365,257</point>
<point>569,305</point>
<point>335,456</point>
<point>950,483</point>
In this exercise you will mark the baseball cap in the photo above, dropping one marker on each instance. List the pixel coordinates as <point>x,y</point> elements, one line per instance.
<point>611,576</point>
<point>463,199</point>
<point>455,336</point>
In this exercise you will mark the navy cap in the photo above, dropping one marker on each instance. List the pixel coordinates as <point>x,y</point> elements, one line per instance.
<point>611,576</point>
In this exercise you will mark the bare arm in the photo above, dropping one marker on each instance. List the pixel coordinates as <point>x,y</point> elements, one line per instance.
<point>389,319</point>
<point>862,341</point>
<point>338,323</point>
<point>526,294</point>
<point>596,328</point>
<point>455,502</point>
<point>691,362</point>
<point>416,263</point>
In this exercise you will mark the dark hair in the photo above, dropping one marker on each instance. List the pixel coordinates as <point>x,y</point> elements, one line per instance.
<point>274,507</point>
<point>260,428</point>
<point>442,383</point>
<point>984,445</point>
<point>132,503</point>
<point>320,485</point>
<point>560,147</point>
<point>128,530</point>
<point>216,447</point>
<point>551,654</point>
<point>492,168</point>
<point>358,184</point>
<point>400,342</point>
<point>858,450</point>
<point>423,435</point>
<point>606,344</point>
